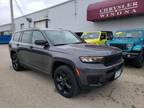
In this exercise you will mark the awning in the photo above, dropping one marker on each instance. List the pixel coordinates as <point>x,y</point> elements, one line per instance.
<point>109,9</point>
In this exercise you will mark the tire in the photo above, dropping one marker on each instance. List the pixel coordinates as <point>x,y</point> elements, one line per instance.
<point>65,82</point>
<point>15,63</point>
<point>139,61</point>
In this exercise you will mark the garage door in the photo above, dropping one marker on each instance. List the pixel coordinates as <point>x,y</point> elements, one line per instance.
<point>40,24</point>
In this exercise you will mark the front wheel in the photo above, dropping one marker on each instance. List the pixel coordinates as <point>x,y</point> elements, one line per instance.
<point>65,82</point>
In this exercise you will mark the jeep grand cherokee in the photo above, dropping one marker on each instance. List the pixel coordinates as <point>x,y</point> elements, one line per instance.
<point>72,63</point>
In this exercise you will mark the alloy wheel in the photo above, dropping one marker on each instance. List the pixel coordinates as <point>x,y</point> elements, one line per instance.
<point>64,84</point>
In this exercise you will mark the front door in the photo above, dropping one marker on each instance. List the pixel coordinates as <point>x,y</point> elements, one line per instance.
<point>39,55</point>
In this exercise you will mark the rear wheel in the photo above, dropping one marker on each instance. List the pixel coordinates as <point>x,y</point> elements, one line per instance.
<point>15,63</point>
<point>65,82</point>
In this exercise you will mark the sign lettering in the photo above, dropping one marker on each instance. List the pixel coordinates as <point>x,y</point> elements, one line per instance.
<point>118,10</point>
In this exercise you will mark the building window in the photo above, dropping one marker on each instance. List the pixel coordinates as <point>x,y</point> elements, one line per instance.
<point>46,23</point>
<point>6,33</point>
<point>22,26</point>
<point>41,23</point>
<point>2,33</point>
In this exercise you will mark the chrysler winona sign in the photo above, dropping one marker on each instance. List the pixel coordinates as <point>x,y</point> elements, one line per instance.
<point>114,9</point>
<point>123,9</point>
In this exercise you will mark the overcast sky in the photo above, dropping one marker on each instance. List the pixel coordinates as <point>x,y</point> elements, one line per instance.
<point>27,6</point>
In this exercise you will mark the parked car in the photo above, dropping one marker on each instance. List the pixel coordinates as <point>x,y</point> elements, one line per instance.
<point>73,64</point>
<point>132,44</point>
<point>98,37</point>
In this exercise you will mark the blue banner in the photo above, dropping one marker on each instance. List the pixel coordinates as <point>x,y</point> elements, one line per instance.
<point>4,39</point>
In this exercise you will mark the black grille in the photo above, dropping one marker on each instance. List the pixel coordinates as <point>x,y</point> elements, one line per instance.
<point>121,46</point>
<point>101,79</point>
<point>112,59</point>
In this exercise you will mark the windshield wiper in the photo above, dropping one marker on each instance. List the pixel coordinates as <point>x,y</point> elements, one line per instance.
<point>69,43</point>
<point>59,44</point>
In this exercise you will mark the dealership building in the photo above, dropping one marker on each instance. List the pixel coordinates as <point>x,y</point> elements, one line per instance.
<point>85,15</point>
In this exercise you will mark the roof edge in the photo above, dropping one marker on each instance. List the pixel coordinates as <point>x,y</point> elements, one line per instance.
<point>5,24</point>
<point>46,8</point>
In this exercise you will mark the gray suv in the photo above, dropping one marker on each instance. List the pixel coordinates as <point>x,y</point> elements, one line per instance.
<point>72,63</point>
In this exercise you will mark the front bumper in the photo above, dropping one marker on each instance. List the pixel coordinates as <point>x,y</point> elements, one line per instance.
<point>130,55</point>
<point>94,75</point>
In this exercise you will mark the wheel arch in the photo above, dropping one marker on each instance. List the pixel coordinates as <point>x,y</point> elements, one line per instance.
<point>59,62</point>
<point>12,52</point>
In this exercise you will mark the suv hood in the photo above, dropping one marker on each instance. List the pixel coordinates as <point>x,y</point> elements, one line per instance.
<point>86,50</point>
<point>124,40</point>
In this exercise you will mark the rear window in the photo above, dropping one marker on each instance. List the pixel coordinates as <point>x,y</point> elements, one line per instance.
<point>103,35</point>
<point>16,36</point>
<point>27,37</point>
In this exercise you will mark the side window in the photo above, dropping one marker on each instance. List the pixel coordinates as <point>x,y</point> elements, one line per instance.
<point>109,35</point>
<point>37,35</point>
<point>103,36</point>
<point>16,37</point>
<point>27,38</point>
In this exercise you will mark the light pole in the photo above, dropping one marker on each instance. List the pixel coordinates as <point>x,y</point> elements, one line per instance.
<point>12,17</point>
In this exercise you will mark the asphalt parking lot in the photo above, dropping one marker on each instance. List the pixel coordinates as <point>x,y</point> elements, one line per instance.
<point>28,89</point>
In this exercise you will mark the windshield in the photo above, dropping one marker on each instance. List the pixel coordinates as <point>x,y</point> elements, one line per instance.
<point>90,36</point>
<point>132,34</point>
<point>61,37</point>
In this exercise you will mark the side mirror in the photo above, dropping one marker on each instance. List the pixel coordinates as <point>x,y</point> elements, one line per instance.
<point>41,42</point>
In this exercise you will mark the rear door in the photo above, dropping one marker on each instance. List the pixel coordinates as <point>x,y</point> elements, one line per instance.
<point>25,47</point>
<point>14,43</point>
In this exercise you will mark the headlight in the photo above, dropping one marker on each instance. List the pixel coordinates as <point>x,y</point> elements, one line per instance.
<point>92,59</point>
<point>129,46</point>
